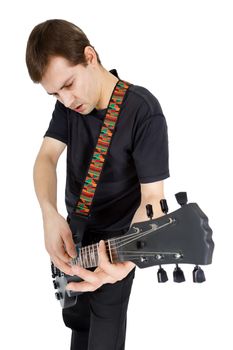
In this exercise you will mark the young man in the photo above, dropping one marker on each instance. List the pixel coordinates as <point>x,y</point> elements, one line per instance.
<point>59,57</point>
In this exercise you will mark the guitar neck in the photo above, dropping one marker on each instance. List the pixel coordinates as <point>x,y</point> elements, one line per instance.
<point>88,256</point>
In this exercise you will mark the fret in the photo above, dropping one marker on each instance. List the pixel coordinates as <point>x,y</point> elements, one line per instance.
<point>86,257</point>
<point>84,260</point>
<point>110,252</point>
<point>93,255</point>
<point>80,257</point>
<point>97,254</point>
<point>113,251</point>
<point>89,254</point>
<point>89,257</point>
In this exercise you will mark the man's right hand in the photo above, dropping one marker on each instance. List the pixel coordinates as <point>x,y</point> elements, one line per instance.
<point>58,241</point>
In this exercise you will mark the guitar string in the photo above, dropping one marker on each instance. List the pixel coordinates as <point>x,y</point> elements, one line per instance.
<point>154,227</point>
<point>93,249</point>
<point>127,239</point>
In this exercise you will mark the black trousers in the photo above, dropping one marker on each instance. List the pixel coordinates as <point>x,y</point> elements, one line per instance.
<point>98,320</point>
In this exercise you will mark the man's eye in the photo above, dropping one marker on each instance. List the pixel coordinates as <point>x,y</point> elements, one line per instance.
<point>68,85</point>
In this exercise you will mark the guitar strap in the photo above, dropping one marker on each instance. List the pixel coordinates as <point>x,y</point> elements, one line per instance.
<point>83,206</point>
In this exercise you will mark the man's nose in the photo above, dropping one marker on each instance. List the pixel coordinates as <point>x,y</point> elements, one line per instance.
<point>66,98</point>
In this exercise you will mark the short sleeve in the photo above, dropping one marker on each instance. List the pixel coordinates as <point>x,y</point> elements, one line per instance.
<point>58,126</point>
<point>150,149</point>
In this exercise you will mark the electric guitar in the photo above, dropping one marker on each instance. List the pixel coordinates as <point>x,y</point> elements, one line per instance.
<point>182,236</point>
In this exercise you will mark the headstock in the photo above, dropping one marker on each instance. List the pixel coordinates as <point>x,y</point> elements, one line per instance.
<point>183,236</point>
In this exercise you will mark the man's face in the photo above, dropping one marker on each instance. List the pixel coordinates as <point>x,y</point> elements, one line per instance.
<point>77,87</point>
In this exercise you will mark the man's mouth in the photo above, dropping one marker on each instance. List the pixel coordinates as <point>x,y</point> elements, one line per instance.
<point>78,108</point>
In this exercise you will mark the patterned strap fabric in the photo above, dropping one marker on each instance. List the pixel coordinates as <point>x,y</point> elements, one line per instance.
<point>86,198</point>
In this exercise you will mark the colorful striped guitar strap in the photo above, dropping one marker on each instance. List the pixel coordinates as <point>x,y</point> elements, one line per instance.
<point>84,203</point>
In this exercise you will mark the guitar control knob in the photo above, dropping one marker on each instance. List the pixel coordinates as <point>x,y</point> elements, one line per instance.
<point>55,284</point>
<point>58,296</point>
<point>54,270</point>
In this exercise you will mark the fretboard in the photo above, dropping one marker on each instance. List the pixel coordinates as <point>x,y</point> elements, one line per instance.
<point>88,256</point>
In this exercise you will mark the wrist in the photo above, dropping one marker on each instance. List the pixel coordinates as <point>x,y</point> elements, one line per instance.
<point>48,209</point>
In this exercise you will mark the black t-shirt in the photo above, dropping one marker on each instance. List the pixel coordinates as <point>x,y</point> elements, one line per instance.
<point>138,154</point>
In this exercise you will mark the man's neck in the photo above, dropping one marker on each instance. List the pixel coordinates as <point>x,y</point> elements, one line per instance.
<point>108,83</point>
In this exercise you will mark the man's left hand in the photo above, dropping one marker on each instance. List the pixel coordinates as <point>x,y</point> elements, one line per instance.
<point>106,272</point>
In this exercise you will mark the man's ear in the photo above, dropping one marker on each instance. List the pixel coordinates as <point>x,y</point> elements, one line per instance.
<point>90,55</point>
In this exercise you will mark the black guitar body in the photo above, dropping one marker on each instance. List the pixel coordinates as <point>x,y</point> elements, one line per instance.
<point>68,298</point>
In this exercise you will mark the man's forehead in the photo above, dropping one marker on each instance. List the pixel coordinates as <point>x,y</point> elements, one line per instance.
<point>58,72</point>
<point>59,61</point>
<point>58,66</point>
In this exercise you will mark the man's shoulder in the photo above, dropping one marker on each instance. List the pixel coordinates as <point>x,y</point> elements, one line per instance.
<point>143,99</point>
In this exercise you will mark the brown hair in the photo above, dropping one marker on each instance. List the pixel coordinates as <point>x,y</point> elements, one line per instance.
<point>55,37</point>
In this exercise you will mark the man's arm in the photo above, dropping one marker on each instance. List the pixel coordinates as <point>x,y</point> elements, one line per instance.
<point>58,237</point>
<point>151,193</point>
<point>44,174</point>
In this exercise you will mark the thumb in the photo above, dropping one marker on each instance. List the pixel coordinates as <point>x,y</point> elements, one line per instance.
<point>70,246</point>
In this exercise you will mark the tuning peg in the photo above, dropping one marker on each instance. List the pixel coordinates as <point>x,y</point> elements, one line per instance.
<point>198,275</point>
<point>162,275</point>
<point>149,211</point>
<point>163,205</point>
<point>178,275</point>
<point>181,198</point>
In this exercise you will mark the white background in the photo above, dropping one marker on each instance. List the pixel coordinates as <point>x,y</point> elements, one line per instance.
<point>182,52</point>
